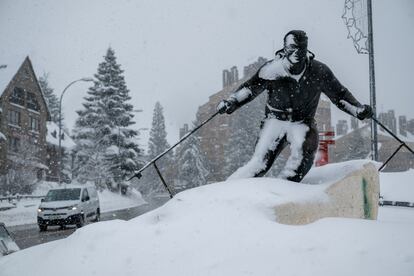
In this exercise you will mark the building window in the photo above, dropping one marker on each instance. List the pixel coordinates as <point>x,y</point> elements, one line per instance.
<point>14,144</point>
<point>32,102</point>
<point>34,124</point>
<point>17,97</point>
<point>14,117</point>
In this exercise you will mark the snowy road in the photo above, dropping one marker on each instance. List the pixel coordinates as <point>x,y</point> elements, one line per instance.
<point>28,235</point>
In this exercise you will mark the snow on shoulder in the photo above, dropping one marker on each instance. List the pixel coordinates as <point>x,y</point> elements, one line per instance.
<point>228,228</point>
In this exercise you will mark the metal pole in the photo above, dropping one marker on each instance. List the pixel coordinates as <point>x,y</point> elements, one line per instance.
<point>60,126</point>
<point>138,173</point>
<point>170,192</point>
<point>373,101</point>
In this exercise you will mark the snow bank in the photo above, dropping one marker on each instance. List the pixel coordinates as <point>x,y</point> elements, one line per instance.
<point>398,186</point>
<point>226,228</point>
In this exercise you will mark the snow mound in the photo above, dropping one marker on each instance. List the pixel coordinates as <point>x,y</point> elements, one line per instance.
<point>227,228</point>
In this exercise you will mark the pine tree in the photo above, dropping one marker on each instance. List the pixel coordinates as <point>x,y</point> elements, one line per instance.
<point>51,99</point>
<point>157,144</point>
<point>107,151</point>
<point>52,103</point>
<point>191,164</point>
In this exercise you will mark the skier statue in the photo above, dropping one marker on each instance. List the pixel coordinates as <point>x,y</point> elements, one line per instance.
<point>294,81</point>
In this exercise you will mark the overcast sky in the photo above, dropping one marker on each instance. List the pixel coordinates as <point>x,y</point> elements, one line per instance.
<point>174,51</point>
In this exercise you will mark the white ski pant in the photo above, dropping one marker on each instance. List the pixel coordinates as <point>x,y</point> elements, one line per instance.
<point>274,137</point>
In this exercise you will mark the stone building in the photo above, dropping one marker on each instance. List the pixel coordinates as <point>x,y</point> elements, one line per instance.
<point>23,116</point>
<point>27,136</point>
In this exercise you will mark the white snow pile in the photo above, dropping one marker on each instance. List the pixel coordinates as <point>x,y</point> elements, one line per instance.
<point>398,186</point>
<point>229,228</point>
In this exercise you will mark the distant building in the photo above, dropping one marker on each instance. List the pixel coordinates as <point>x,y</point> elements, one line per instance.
<point>354,123</point>
<point>323,114</point>
<point>26,132</point>
<point>251,69</point>
<point>218,131</point>
<point>357,145</point>
<point>389,120</point>
<point>230,76</point>
<point>341,127</point>
<point>402,125</point>
<point>23,116</point>
<point>183,130</point>
<point>410,126</point>
<point>52,158</point>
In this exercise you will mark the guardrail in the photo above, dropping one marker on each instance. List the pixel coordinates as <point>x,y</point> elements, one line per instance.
<point>396,203</point>
<point>18,197</point>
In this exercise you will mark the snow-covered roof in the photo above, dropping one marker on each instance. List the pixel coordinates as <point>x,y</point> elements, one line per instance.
<point>8,70</point>
<point>52,136</point>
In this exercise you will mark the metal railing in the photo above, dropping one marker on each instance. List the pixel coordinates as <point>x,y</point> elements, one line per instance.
<point>19,197</point>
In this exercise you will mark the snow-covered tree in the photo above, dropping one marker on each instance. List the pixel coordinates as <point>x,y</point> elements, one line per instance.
<point>22,174</point>
<point>107,152</point>
<point>51,99</point>
<point>191,164</point>
<point>157,144</point>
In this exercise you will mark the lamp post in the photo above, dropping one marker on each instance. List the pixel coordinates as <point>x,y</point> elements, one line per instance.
<point>60,125</point>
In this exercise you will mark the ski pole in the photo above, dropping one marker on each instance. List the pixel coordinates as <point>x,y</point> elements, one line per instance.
<point>138,174</point>
<point>403,144</point>
<point>393,135</point>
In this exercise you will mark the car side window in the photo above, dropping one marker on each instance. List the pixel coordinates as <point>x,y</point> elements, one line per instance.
<point>84,195</point>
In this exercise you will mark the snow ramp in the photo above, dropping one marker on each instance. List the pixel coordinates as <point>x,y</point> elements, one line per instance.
<point>352,190</point>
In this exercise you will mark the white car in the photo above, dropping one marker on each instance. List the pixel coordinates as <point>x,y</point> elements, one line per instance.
<point>74,205</point>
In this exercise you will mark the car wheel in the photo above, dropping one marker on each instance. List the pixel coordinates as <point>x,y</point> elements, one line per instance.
<point>81,221</point>
<point>42,227</point>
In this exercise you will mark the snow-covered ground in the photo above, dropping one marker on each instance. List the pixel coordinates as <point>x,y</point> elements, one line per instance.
<point>26,209</point>
<point>229,228</point>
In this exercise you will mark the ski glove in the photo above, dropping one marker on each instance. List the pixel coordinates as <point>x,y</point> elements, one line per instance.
<point>365,112</point>
<point>226,106</point>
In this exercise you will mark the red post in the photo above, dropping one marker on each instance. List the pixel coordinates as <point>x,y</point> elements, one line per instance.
<point>325,139</point>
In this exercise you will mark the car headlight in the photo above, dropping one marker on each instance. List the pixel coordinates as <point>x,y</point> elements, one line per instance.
<point>39,210</point>
<point>72,207</point>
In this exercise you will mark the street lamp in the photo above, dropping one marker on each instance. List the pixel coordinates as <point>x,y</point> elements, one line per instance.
<point>60,124</point>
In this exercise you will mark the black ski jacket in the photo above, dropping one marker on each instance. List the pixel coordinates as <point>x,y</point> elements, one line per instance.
<point>295,100</point>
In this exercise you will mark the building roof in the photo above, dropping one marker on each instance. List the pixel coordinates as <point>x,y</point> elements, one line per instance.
<point>52,136</point>
<point>7,72</point>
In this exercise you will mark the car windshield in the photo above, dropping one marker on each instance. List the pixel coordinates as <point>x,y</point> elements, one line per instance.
<point>63,194</point>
